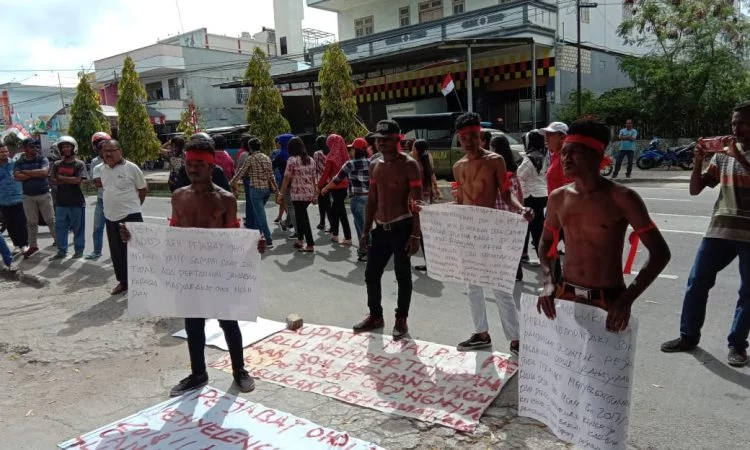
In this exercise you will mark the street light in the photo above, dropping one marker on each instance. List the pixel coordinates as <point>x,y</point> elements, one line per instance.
<point>580,5</point>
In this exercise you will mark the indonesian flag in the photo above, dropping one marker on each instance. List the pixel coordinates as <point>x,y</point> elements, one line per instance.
<point>448,85</point>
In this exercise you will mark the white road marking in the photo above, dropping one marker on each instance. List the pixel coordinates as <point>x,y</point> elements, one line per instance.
<point>679,215</point>
<point>697,233</point>
<point>669,199</point>
<point>155,218</point>
<point>663,275</point>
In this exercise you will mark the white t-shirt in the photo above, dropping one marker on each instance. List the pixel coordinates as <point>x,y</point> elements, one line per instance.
<point>121,184</point>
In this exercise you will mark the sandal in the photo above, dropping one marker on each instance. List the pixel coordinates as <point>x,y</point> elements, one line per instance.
<point>307,249</point>
<point>298,245</point>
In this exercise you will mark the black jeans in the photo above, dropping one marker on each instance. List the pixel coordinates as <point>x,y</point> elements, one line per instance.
<point>15,220</point>
<point>386,241</point>
<point>118,250</point>
<point>196,337</point>
<point>536,226</point>
<point>324,209</point>
<point>622,154</point>
<point>338,214</point>
<point>303,229</point>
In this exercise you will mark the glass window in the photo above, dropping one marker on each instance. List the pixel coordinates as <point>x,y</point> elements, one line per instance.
<point>431,10</point>
<point>241,95</point>
<point>403,14</point>
<point>282,44</point>
<point>459,6</point>
<point>154,91</point>
<point>364,26</point>
<point>174,88</point>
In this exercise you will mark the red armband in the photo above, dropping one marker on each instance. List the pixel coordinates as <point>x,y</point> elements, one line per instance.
<point>413,207</point>
<point>507,184</point>
<point>415,183</point>
<point>172,221</point>
<point>236,224</point>
<point>552,253</point>
<point>634,239</point>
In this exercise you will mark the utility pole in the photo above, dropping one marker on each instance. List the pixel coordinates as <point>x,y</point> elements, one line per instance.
<point>62,98</point>
<point>579,5</point>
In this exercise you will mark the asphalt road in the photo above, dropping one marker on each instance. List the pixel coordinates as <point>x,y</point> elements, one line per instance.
<point>679,401</point>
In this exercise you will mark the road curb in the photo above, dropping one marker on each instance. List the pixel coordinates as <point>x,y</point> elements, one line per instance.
<point>28,279</point>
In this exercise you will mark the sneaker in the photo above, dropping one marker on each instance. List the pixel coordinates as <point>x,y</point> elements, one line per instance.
<point>400,328</point>
<point>362,258</point>
<point>10,268</point>
<point>283,226</point>
<point>244,381</point>
<point>477,341</point>
<point>191,383</point>
<point>292,236</point>
<point>369,324</point>
<point>30,251</point>
<point>737,357</point>
<point>77,255</point>
<point>58,256</point>
<point>514,347</point>
<point>92,256</point>
<point>269,246</point>
<point>421,268</point>
<point>678,345</point>
<point>525,258</point>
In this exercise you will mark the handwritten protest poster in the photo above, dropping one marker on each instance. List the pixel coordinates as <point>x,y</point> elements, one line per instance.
<point>426,381</point>
<point>576,376</point>
<point>212,419</point>
<point>471,244</point>
<point>193,272</point>
<point>252,332</point>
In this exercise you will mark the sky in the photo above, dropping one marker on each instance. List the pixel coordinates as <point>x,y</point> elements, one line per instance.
<point>44,38</point>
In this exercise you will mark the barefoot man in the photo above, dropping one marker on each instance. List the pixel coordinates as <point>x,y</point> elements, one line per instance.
<point>395,187</point>
<point>203,204</point>
<point>480,175</point>
<point>594,213</point>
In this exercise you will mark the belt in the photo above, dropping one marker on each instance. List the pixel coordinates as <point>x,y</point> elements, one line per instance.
<point>608,294</point>
<point>392,225</point>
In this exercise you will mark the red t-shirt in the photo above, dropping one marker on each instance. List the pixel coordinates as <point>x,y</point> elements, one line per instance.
<point>224,161</point>
<point>555,176</point>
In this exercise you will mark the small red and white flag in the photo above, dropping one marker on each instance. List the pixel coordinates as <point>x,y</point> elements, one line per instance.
<point>448,85</point>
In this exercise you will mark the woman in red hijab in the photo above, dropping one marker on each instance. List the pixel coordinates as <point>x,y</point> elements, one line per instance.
<point>337,157</point>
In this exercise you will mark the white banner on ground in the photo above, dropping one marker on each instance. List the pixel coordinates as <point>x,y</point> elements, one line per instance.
<point>427,381</point>
<point>575,376</point>
<point>471,244</point>
<point>212,419</point>
<point>252,332</point>
<point>193,272</point>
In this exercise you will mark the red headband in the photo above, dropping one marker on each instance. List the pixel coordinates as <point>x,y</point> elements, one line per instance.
<point>470,129</point>
<point>192,155</point>
<point>587,141</point>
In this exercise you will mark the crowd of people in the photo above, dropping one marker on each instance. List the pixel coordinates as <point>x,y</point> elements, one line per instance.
<point>557,188</point>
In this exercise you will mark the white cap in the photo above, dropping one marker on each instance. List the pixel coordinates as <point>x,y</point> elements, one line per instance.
<point>555,127</point>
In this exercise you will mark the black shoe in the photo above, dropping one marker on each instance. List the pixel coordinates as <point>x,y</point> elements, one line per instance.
<point>525,259</point>
<point>475,342</point>
<point>421,268</point>
<point>400,328</point>
<point>519,274</point>
<point>244,381</point>
<point>369,324</point>
<point>678,345</point>
<point>191,383</point>
<point>737,357</point>
<point>322,227</point>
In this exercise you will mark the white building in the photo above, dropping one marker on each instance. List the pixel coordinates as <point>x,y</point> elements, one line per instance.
<point>27,104</point>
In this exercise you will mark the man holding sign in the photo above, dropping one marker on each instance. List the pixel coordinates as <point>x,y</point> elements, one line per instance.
<point>594,213</point>
<point>480,176</point>
<point>202,204</point>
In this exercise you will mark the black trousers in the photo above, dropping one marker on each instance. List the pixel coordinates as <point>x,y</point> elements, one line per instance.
<point>196,337</point>
<point>387,241</point>
<point>622,154</point>
<point>536,226</point>
<point>324,209</point>
<point>118,250</point>
<point>15,220</point>
<point>303,230</point>
<point>338,214</point>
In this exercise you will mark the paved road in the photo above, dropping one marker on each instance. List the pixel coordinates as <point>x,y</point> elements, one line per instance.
<point>679,401</point>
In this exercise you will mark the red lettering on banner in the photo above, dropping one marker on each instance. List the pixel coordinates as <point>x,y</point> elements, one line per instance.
<point>210,398</point>
<point>225,362</point>
<point>315,433</point>
<point>297,422</point>
<point>338,335</point>
<point>475,412</point>
<point>499,362</point>
<point>279,363</point>
<point>440,352</point>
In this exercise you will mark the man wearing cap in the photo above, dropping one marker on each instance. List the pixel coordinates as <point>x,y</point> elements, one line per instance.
<point>595,214</point>
<point>554,135</point>
<point>11,201</point>
<point>395,187</point>
<point>357,171</point>
<point>627,138</point>
<point>33,171</point>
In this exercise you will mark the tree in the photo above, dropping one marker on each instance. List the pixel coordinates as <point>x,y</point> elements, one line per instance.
<point>264,104</point>
<point>86,117</point>
<point>135,133</point>
<point>191,121</point>
<point>338,107</point>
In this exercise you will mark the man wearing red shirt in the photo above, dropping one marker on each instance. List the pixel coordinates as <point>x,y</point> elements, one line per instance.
<point>223,159</point>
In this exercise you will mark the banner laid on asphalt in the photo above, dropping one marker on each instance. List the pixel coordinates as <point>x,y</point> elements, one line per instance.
<point>212,419</point>
<point>471,244</point>
<point>423,380</point>
<point>575,376</point>
<point>252,332</point>
<point>193,272</point>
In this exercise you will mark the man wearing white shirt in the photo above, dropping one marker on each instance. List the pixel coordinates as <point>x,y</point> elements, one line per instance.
<point>124,192</point>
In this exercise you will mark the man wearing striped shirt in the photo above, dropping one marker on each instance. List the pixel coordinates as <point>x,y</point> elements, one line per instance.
<point>727,238</point>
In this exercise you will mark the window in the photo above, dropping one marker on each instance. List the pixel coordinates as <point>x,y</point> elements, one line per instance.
<point>363,26</point>
<point>403,14</point>
<point>154,91</point>
<point>282,44</point>
<point>585,16</point>
<point>431,10</point>
<point>174,88</point>
<point>459,6</point>
<point>241,95</point>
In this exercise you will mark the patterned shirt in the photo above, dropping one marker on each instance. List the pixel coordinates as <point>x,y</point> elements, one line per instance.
<point>258,168</point>
<point>302,179</point>
<point>731,216</point>
<point>320,163</point>
<point>358,173</point>
<point>515,191</point>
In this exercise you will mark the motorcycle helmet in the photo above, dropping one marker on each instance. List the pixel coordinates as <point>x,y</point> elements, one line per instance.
<point>67,140</point>
<point>203,135</point>
<point>98,137</point>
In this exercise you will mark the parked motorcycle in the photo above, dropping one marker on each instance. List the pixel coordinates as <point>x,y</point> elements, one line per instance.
<point>607,166</point>
<point>654,156</point>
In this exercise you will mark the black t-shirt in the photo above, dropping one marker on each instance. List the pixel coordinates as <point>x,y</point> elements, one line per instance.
<point>69,195</point>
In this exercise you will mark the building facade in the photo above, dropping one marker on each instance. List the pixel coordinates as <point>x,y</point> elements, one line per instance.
<point>27,105</point>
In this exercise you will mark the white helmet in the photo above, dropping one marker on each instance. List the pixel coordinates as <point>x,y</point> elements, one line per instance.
<point>67,140</point>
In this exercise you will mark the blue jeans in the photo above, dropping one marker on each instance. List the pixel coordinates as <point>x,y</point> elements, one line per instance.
<point>5,252</point>
<point>98,234</point>
<point>358,204</point>
<point>258,200</point>
<point>713,256</point>
<point>249,216</point>
<point>67,218</point>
